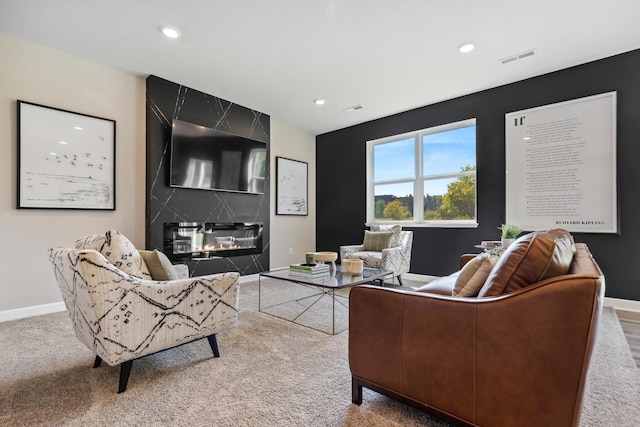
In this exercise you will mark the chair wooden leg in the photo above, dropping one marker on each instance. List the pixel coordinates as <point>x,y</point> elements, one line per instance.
<point>125,370</point>
<point>97,362</point>
<point>213,342</point>
<point>356,391</point>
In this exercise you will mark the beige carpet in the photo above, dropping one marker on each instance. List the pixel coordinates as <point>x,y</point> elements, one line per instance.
<point>271,373</point>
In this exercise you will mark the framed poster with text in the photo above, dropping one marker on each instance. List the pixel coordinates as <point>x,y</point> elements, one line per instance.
<point>561,166</point>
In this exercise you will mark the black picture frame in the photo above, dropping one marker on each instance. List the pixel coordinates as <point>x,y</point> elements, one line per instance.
<point>66,160</point>
<point>292,177</point>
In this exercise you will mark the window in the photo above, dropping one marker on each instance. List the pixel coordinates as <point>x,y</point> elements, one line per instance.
<point>438,163</point>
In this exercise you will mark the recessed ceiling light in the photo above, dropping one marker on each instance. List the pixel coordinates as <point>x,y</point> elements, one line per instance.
<point>319,101</point>
<point>466,47</point>
<point>63,142</point>
<point>170,32</point>
<point>77,127</point>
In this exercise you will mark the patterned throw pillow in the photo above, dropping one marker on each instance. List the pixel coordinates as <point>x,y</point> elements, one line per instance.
<point>376,241</point>
<point>118,250</point>
<point>159,265</point>
<point>473,275</point>
<point>396,229</point>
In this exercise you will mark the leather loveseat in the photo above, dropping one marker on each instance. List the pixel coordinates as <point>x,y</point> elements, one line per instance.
<point>517,354</point>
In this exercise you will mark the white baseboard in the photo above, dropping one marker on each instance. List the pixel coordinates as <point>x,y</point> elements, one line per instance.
<point>622,304</point>
<point>21,313</point>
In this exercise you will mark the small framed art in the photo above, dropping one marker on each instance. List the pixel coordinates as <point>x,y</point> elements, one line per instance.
<point>291,187</point>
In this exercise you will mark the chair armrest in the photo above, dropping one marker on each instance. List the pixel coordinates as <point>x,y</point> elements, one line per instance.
<point>397,259</point>
<point>346,251</point>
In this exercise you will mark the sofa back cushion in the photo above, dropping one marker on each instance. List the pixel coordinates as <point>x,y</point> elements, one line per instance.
<point>531,258</point>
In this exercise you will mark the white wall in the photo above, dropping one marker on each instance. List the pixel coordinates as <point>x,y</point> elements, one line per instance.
<point>289,233</point>
<point>41,75</point>
<point>37,74</point>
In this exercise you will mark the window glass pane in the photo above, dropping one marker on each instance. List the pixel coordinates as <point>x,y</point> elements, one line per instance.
<point>450,199</point>
<point>393,202</point>
<point>394,160</point>
<point>449,151</point>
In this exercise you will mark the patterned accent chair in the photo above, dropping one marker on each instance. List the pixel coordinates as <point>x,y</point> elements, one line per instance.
<point>396,259</point>
<point>121,314</point>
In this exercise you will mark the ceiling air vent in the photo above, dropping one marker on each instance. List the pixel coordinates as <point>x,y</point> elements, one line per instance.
<point>517,56</point>
<point>353,108</point>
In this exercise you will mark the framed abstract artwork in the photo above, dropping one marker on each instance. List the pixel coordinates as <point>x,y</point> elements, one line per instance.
<point>66,160</point>
<point>291,187</point>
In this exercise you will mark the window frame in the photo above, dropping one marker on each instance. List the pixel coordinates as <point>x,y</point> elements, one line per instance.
<point>419,177</point>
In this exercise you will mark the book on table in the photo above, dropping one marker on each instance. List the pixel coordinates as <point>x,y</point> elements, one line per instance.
<point>310,270</point>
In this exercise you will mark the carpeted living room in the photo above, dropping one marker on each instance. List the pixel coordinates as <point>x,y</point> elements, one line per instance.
<point>291,273</point>
<point>271,372</point>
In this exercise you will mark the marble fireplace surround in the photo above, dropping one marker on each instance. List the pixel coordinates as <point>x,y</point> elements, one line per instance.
<point>164,204</point>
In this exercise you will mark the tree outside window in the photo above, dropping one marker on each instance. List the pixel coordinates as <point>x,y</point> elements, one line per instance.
<point>445,175</point>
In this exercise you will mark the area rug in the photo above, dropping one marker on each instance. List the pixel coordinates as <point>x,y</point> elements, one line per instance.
<point>271,373</point>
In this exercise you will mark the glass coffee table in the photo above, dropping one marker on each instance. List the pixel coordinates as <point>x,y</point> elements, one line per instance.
<point>310,301</point>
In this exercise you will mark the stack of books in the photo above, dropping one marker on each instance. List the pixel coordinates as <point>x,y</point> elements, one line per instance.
<point>310,271</point>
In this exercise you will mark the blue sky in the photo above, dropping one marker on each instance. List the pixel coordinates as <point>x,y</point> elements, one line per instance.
<point>443,152</point>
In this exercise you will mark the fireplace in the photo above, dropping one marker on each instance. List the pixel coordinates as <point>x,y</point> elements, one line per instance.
<point>198,240</point>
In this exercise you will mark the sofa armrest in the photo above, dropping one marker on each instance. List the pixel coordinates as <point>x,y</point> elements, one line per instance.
<point>465,258</point>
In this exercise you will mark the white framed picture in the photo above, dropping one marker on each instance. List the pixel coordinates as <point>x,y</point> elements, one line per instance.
<point>291,187</point>
<point>66,160</point>
<point>561,166</point>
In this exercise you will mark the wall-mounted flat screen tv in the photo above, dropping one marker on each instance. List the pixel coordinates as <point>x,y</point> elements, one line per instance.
<point>208,159</point>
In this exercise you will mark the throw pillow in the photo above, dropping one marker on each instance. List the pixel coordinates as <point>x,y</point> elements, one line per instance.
<point>118,250</point>
<point>396,229</point>
<point>159,265</point>
<point>473,275</point>
<point>376,241</point>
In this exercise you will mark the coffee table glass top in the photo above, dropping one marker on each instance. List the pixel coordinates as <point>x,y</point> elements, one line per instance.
<point>337,280</point>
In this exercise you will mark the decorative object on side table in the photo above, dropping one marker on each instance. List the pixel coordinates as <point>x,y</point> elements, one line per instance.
<point>509,234</point>
<point>327,257</point>
<point>352,266</point>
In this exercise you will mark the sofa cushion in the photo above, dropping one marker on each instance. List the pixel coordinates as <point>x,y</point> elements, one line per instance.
<point>531,258</point>
<point>473,275</point>
<point>395,229</point>
<point>441,286</point>
<point>376,241</point>
<point>159,265</point>
<point>119,250</point>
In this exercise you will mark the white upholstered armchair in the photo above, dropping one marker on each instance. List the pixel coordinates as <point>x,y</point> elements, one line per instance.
<point>121,317</point>
<point>396,258</point>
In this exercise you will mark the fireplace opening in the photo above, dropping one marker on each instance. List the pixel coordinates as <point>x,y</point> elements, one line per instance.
<point>189,240</point>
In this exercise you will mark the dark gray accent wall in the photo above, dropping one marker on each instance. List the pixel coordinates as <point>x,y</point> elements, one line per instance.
<point>167,101</point>
<point>341,163</point>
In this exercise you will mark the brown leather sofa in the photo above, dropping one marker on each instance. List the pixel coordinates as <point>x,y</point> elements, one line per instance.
<point>517,355</point>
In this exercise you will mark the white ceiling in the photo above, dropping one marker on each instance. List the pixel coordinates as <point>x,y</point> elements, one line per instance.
<point>277,56</point>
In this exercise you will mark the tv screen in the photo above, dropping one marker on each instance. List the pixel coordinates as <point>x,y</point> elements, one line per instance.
<point>209,159</point>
